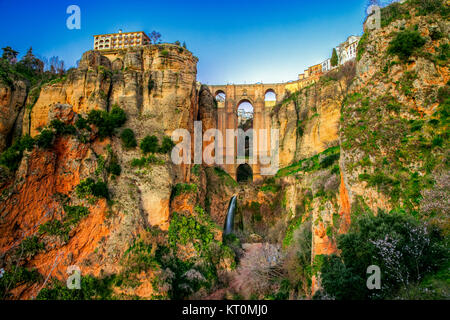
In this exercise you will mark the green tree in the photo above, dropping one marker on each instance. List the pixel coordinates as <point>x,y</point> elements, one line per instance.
<point>30,65</point>
<point>405,250</point>
<point>406,43</point>
<point>10,55</point>
<point>149,144</point>
<point>45,139</point>
<point>128,138</point>
<point>334,58</point>
<point>166,145</point>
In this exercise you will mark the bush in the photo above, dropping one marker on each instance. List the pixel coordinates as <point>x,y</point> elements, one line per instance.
<point>62,228</point>
<point>167,145</point>
<point>329,160</point>
<point>405,44</point>
<point>107,122</point>
<point>184,188</point>
<point>74,214</point>
<point>114,168</point>
<point>259,269</point>
<point>128,139</point>
<point>144,161</point>
<point>425,7</point>
<point>55,228</point>
<point>15,277</point>
<point>31,246</point>
<point>149,144</point>
<point>89,187</point>
<point>184,230</point>
<point>45,139</point>
<point>405,250</point>
<point>62,128</point>
<point>82,123</point>
<point>11,157</point>
<point>91,289</point>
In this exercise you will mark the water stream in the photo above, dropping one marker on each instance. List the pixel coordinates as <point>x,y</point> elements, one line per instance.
<point>229,221</point>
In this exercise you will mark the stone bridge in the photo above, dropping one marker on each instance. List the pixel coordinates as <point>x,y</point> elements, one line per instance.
<point>255,94</point>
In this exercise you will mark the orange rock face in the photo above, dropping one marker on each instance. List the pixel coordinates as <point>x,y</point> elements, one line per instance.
<point>34,198</point>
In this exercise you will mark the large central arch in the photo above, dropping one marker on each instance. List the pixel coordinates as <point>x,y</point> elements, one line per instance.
<point>262,98</point>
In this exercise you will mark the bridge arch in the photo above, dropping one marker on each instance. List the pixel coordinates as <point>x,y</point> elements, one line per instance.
<point>220,96</point>
<point>270,95</point>
<point>244,173</point>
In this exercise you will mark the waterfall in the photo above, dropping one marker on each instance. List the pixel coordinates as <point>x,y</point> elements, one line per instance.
<point>229,221</point>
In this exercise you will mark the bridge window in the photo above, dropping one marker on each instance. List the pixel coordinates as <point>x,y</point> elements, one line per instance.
<point>244,173</point>
<point>270,95</point>
<point>245,115</point>
<point>220,96</point>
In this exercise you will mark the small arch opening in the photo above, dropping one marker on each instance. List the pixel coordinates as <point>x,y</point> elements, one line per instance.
<point>270,95</point>
<point>244,173</point>
<point>220,96</point>
<point>245,115</point>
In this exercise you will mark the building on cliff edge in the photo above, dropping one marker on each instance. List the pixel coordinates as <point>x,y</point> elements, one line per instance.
<point>120,40</point>
<point>347,50</point>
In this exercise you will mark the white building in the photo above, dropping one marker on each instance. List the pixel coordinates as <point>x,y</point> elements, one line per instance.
<point>120,40</point>
<point>326,65</point>
<point>348,49</point>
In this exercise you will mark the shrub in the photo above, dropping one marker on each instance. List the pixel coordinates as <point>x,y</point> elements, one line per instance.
<point>329,160</point>
<point>184,188</point>
<point>405,44</point>
<point>91,289</point>
<point>74,214</point>
<point>404,249</point>
<point>31,246</point>
<point>394,11</point>
<point>362,46</point>
<point>81,123</point>
<point>62,128</point>
<point>62,227</point>
<point>128,139</point>
<point>114,168</point>
<point>100,190</point>
<point>166,145</point>
<point>425,7</point>
<point>11,157</point>
<point>258,270</point>
<point>195,170</point>
<point>184,230</point>
<point>45,139</point>
<point>55,228</point>
<point>144,161</point>
<point>15,277</point>
<point>149,144</point>
<point>107,122</point>
<point>89,187</point>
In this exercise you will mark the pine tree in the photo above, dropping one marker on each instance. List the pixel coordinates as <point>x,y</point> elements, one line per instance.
<point>334,58</point>
<point>9,55</point>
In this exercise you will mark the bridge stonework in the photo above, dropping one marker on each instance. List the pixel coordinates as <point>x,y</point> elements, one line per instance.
<point>227,116</point>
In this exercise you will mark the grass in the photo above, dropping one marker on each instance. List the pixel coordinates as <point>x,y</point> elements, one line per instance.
<point>62,228</point>
<point>329,157</point>
<point>91,188</point>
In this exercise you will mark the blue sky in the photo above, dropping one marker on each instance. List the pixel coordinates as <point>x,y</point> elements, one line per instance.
<point>236,41</point>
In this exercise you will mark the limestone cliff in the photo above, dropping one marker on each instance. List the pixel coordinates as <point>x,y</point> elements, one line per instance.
<point>12,101</point>
<point>156,87</point>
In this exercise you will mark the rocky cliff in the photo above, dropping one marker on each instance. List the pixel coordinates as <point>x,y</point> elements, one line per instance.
<point>90,182</point>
